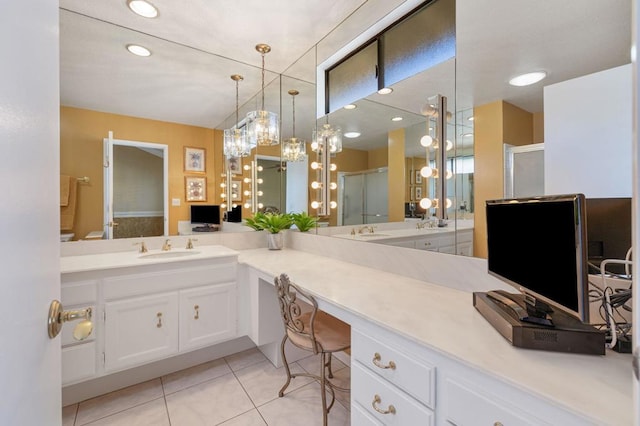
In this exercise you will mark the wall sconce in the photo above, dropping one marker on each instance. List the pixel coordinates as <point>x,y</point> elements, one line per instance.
<point>432,111</point>
<point>294,149</point>
<point>326,141</point>
<point>262,126</point>
<point>253,191</point>
<point>236,143</point>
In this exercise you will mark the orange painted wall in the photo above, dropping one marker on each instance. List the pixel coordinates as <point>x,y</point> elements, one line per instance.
<point>81,154</point>
<point>396,175</point>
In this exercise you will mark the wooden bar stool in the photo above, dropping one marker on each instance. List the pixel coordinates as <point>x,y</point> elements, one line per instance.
<point>314,331</point>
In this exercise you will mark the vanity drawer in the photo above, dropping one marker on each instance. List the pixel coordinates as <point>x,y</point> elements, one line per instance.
<point>413,375</point>
<point>376,395</point>
<point>79,292</point>
<point>78,362</point>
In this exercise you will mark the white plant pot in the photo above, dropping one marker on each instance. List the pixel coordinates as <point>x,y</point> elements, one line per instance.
<point>275,241</point>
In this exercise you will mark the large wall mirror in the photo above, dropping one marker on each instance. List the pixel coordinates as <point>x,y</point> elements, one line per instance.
<point>491,36</point>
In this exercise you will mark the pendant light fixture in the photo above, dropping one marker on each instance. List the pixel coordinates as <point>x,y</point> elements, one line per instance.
<point>236,143</point>
<point>262,126</point>
<point>294,149</point>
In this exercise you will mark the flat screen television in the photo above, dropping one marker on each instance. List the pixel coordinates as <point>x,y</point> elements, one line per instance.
<point>539,246</point>
<point>608,231</point>
<point>208,216</point>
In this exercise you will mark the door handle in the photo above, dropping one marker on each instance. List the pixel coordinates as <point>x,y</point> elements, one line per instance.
<point>58,316</point>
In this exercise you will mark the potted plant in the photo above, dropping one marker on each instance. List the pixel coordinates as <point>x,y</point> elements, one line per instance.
<point>303,221</point>
<point>273,223</point>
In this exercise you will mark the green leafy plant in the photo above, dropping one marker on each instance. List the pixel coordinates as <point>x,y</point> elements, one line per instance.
<point>270,222</point>
<point>303,221</point>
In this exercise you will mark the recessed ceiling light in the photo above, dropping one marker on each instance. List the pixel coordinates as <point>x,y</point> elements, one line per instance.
<point>143,8</point>
<point>527,79</point>
<point>351,135</point>
<point>470,118</point>
<point>138,50</point>
<point>385,90</point>
<point>350,106</point>
<point>396,119</point>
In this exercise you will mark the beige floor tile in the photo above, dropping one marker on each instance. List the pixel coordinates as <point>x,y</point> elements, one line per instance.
<point>152,413</point>
<point>69,414</point>
<point>114,402</point>
<point>192,376</point>
<point>312,364</point>
<point>302,407</point>
<point>263,381</point>
<point>252,418</point>
<point>244,359</point>
<point>208,403</point>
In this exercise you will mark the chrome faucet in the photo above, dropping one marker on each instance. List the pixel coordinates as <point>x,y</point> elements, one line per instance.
<point>420,225</point>
<point>190,243</point>
<point>366,227</point>
<point>167,245</point>
<point>143,247</point>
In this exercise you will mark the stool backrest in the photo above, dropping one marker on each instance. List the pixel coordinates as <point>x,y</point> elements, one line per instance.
<point>297,323</point>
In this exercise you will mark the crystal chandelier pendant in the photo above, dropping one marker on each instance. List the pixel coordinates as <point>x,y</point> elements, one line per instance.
<point>236,143</point>
<point>263,128</point>
<point>294,149</point>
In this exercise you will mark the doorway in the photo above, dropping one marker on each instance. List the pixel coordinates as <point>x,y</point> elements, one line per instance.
<point>523,170</point>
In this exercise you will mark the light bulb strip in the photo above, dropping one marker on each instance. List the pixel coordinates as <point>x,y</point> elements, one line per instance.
<point>228,189</point>
<point>325,179</point>
<point>254,186</point>
<point>441,157</point>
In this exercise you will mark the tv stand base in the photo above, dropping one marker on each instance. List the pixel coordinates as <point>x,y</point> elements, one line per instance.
<point>567,335</point>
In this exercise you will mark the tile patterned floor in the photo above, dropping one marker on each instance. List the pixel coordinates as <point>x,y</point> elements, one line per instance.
<point>238,390</point>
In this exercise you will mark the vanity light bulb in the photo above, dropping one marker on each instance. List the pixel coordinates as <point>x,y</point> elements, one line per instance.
<point>260,180</point>
<point>247,193</point>
<point>449,174</point>
<point>449,145</point>
<point>234,185</point>
<point>223,206</point>
<point>260,168</point>
<point>448,203</point>
<point>223,195</point>
<point>233,196</point>
<point>333,204</point>
<point>247,180</point>
<point>426,141</point>
<point>315,185</point>
<point>333,167</point>
<point>247,205</point>
<point>260,193</point>
<point>234,205</point>
<point>315,204</point>
<point>314,146</point>
<point>223,185</point>
<point>315,165</point>
<point>333,185</point>
<point>426,171</point>
<point>246,167</point>
<point>425,203</point>
<point>260,205</point>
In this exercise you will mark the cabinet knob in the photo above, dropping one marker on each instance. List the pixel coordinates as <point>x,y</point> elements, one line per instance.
<point>159,315</point>
<point>377,363</point>
<point>377,400</point>
<point>197,314</point>
<point>497,424</point>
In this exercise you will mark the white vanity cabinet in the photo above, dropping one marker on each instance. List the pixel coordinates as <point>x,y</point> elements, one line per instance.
<point>459,242</point>
<point>398,382</point>
<point>145,313</point>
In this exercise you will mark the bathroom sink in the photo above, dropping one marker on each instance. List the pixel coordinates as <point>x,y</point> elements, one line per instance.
<point>168,254</point>
<point>373,235</point>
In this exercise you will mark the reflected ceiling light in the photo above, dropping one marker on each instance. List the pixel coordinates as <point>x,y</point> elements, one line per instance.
<point>527,79</point>
<point>262,126</point>
<point>138,50</point>
<point>350,106</point>
<point>143,8</point>
<point>236,143</point>
<point>351,135</point>
<point>470,118</point>
<point>385,90</point>
<point>397,119</point>
<point>294,149</point>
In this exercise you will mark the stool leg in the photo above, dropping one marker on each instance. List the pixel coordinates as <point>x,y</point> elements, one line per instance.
<point>286,366</point>
<point>329,367</point>
<point>323,390</point>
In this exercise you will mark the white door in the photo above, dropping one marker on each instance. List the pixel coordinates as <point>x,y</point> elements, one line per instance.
<point>30,219</point>
<point>523,170</point>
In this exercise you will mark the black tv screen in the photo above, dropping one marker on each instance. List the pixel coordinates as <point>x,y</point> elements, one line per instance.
<point>205,214</point>
<point>538,245</point>
<point>608,231</point>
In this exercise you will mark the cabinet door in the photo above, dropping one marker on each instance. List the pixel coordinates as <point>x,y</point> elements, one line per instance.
<point>140,330</point>
<point>428,243</point>
<point>207,315</point>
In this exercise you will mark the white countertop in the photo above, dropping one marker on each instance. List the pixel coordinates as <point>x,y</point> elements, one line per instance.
<point>444,319</point>
<point>93,262</point>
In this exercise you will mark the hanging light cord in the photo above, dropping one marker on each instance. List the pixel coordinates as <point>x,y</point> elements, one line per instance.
<point>237,102</point>
<point>293,98</point>
<point>262,53</point>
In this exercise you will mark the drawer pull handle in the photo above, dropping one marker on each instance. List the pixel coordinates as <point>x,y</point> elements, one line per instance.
<point>197,315</point>
<point>497,424</point>
<point>376,362</point>
<point>378,400</point>
<point>159,315</point>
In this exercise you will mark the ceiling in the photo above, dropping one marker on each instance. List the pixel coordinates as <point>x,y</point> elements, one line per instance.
<point>198,44</point>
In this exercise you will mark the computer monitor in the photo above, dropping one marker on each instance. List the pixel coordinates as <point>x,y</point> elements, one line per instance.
<point>208,216</point>
<point>608,231</point>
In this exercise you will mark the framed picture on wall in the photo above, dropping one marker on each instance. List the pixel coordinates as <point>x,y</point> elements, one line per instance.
<point>417,193</point>
<point>234,165</point>
<point>194,159</point>
<point>195,188</point>
<point>418,178</point>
